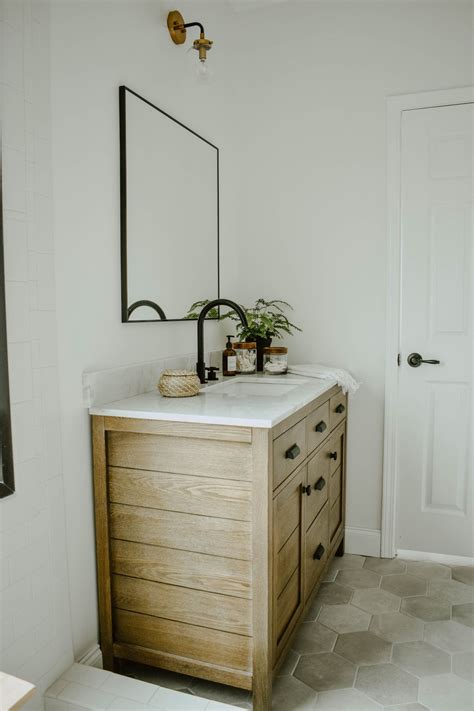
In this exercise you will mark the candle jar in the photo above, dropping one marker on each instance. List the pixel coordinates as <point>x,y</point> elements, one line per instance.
<point>275,360</point>
<point>246,357</point>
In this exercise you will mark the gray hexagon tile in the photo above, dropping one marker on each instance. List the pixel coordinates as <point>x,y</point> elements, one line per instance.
<point>451,591</point>
<point>421,658</point>
<point>376,601</point>
<point>325,671</point>
<point>387,684</point>
<point>463,665</point>
<point>358,578</point>
<point>430,571</point>
<point>328,594</point>
<point>463,574</point>
<point>404,585</point>
<point>446,692</point>
<point>450,636</point>
<point>384,566</point>
<point>348,562</point>
<point>289,693</point>
<point>344,618</point>
<point>363,648</point>
<point>289,663</point>
<point>464,614</point>
<point>345,699</point>
<point>426,608</point>
<point>409,707</point>
<point>397,627</point>
<point>312,638</point>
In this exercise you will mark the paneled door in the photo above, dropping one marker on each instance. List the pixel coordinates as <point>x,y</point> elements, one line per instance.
<point>434,507</point>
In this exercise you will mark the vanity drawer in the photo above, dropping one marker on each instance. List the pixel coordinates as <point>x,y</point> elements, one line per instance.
<point>337,409</point>
<point>316,549</point>
<point>335,485</point>
<point>335,449</point>
<point>318,479</point>
<point>288,604</point>
<point>289,450</point>
<point>287,560</point>
<point>335,517</point>
<point>317,426</point>
<point>288,509</point>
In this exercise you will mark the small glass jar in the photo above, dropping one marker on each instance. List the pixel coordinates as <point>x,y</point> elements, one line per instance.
<point>275,360</point>
<point>246,357</point>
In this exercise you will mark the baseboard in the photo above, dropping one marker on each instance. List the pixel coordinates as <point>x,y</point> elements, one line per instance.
<point>435,557</point>
<point>362,541</point>
<point>92,658</point>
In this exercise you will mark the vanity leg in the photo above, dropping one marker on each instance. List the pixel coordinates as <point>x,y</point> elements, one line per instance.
<point>340,550</point>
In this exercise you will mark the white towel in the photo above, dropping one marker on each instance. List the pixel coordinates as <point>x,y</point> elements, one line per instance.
<point>325,372</point>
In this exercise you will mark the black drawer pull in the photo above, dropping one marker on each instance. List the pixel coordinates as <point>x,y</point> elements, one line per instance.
<point>340,409</point>
<point>333,455</point>
<point>321,426</point>
<point>319,552</point>
<point>306,490</point>
<point>320,484</point>
<point>292,452</point>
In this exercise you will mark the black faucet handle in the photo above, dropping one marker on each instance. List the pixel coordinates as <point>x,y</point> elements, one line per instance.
<point>212,372</point>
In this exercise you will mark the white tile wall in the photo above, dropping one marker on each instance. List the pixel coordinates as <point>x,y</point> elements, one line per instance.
<point>35,635</point>
<point>82,687</point>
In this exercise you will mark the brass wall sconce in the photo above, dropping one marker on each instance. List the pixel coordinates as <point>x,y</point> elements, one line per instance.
<point>177,29</point>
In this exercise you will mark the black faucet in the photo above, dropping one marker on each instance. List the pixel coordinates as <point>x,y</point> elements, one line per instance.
<point>201,365</point>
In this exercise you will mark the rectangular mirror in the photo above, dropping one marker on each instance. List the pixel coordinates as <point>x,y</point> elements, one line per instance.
<point>169,178</point>
<point>7,479</point>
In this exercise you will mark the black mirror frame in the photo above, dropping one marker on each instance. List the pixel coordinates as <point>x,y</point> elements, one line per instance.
<point>7,476</point>
<point>126,307</point>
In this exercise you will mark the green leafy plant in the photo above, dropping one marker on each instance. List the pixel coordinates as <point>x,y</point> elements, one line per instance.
<point>266,319</point>
<point>196,308</point>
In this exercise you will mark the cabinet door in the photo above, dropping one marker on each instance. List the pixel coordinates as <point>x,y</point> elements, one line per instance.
<point>335,449</point>
<point>287,542</point>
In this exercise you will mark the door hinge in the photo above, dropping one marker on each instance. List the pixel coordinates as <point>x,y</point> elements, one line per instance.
<point>399,359</point>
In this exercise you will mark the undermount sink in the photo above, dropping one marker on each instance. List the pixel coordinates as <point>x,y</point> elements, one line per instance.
<point>254,386</point>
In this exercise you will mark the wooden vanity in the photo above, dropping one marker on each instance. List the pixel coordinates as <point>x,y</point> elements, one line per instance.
<point>212,539</point>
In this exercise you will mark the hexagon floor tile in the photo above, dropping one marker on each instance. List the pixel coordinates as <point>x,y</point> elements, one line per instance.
<point>344,618</point>
<point>450,636</point>
<point>363,648</point>
<point>404,585</point>
<point>376,601</point>
<point>397,627</point>
<point>446,692</point>
<point>348,562</point>
<point>387,684</point>
<point>384,566</point>
<point>451,591</point>
<point>312,638</point>
<point>463,574</point>
<point>289,693</point>
<point>345,699</point>
<point>325,671</point>
<point>426,608</point>
<point>328,594</point>
<point>430,571</point>
<point>463,665</point>
<point>358,578</point>
<point>464,614</point>
<point>421,658</point>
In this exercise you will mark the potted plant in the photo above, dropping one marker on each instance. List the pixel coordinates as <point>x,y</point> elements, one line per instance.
<point>266,320</point>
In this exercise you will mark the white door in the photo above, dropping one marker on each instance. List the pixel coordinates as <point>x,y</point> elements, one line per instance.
<point>434,498</point>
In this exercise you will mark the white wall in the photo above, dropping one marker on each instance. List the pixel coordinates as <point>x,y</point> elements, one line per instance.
<point>314,224</point>
<point>35,635</point>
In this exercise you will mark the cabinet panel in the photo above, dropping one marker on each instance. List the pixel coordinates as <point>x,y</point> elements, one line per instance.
<point>289,450</point>
<point>317,426</point>
<point>288,559</point>
<point>287,508</point>
<point>335,449</point>
<point>335,518</point>
<point>335,485</point>
<point>288,603</point>
<point>318,481</point>
<point>337,409</point>
<point>316,549</point>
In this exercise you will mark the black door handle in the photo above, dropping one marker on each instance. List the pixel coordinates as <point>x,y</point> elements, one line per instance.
<point>340,409</point>
<point>415,360</point>
<point>319,552</point>
<point>320,484</point>
<point>333,455</point>
<point>292,452</point>
<point>306,490</point>
<point>321,426</point>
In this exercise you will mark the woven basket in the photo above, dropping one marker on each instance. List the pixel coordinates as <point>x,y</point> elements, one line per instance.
<point>179,383</point>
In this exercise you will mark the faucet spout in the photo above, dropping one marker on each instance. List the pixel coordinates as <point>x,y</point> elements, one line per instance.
<point>201,365</point>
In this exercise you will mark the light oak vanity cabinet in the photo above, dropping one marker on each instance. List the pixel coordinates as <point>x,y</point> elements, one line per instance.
<point>212,539</point>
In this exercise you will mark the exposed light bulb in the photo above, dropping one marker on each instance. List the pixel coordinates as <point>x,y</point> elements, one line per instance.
<point>203,73</point>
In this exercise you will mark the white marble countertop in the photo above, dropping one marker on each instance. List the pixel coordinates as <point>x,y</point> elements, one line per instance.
<point>246,401</point>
